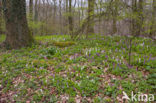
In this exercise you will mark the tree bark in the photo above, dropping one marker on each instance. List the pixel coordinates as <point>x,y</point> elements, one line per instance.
<point>153,26</point>
<point>55,11</point>
<point>70,19</point>
<point>0,18</point>
<point>134,10</point>
<point>66,17</point>
<point>31,10</point>
<point>100,1</point>
<point>114,15</point>
<point>90,26</point>
<point>17,31</point>
<point>36,11</point>
<point>140,16</point>
<point>60,12</point>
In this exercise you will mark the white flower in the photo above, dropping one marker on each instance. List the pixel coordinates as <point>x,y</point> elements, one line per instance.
<point>139,60</point>
<point>142,44</point>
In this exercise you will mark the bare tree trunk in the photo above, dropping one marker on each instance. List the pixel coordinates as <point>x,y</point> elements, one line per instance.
<point>140,16</point>
<point>35,17</point>
<point>66,5</point>
<point>17,31</point>
<point>70,18</point>
<point>82,10</point>
<point>31,14</point>
<point>113,8</point>
<point>66,17</point>
<point>137,22</point>
<point>79,12</point>
<point>0,18</point>
<point>153,26</point>
<point>130,50</point>
<point>90,26</point>
<point>36,11</point>
<point>100,17</point>
<point>133,31</point>
<point>60,12</point>
<point>31,10</point>
<point>55,7</point>
<point>134,10</point>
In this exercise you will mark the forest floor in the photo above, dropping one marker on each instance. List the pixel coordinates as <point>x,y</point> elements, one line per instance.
<point>84,71</point>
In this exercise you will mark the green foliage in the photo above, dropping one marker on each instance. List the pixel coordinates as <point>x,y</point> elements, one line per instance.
<point>51,51</point>
<point>2,38</point>
<point>44,72</point>
<point>35,25</point>
<point>128,87</point>
<point>64,85</point>
<point>88,87</point>
<point>152,81</point>
<point>120,71</point>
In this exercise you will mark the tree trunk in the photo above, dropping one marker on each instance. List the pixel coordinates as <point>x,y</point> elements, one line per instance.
<point>140,16</point>
<point>31,14</point>
<point>114,15</point>
<point>66,6</point>
<point>153,26</point>
<point>55,10</point>
<point>60,8</point>
<point>36,11</point>
<point>31,10</point>
<point>100,1</point>
<point>134,10</point>
<point>0,18</point>
<point>17,31</point>
<point>79,12</point>
<point>70,19</point>
<point>66,17</point>
<point>90,26</point>
<point>82,9</point>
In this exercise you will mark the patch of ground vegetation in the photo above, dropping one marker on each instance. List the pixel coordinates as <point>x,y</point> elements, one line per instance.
<point>86,71</point>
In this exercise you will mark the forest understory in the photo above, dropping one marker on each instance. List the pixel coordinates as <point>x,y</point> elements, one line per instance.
<point>60,70</point>
<point>77,51</point>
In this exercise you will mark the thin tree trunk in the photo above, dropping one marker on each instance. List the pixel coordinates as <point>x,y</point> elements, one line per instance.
<point>140,16</point>
<point>133,31</point>
<point>17,31</point>
<point>55,9</point>
<point>31,10</point>
<point>130,50</point>
<point>35,18</point>
<point>90,26</point>
<point>36,11</point>
<point>153,26</point>
<point>70,18</point>
<point>114,10</point>
<point>0,18</point>
<point>100,17</point>
<point>82,8</point>
<point>134,10</point>
<point>79,12</point>
<point>66,17</point>
<point>60,6</point>
<point>31,14</point>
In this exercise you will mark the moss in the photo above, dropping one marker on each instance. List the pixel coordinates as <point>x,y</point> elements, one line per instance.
<point>64,44</point>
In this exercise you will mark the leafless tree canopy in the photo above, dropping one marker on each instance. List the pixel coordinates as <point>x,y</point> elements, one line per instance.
<point>120,17</point>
